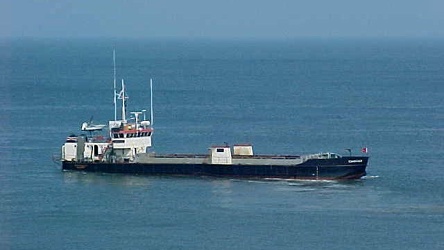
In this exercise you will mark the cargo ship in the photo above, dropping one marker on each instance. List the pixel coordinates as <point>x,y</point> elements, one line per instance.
<point>123,146</point>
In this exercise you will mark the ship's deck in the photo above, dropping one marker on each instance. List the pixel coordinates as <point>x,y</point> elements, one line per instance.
<point>233,156</point>
<point>204,159</point>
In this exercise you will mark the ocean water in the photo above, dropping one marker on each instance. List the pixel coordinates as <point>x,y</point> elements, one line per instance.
<point>287,97</point>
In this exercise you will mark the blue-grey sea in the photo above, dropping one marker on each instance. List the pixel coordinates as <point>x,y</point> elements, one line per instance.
<point>285,97</point>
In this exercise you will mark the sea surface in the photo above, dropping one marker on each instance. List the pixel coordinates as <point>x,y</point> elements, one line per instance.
<point>284,97</point>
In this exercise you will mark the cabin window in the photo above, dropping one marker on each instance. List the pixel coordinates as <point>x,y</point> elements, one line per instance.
<point>149,133</point>
<point>120,135</point>
<point>116,135</point>
<point>96,150</point>
<point>220,150</point>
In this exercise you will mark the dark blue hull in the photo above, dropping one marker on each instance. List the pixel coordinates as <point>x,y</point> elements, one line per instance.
<point>315,169</point>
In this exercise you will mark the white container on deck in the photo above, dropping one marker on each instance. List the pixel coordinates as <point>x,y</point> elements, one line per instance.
<point>243,149</point>
<point>220,155</point>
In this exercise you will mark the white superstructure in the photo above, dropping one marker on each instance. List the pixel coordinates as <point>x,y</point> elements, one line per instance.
<point>124,140</point>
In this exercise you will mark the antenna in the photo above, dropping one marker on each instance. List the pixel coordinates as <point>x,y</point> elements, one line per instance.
<point>151,102</point>
<point>123,102</point>
<point>115,93</point>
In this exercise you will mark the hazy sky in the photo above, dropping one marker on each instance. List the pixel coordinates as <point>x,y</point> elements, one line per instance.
<point>222,18</point>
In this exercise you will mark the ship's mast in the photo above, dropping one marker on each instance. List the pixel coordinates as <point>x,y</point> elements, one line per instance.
<point>123,102</point>
<point>115,92</point>
<point>151,102</point>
